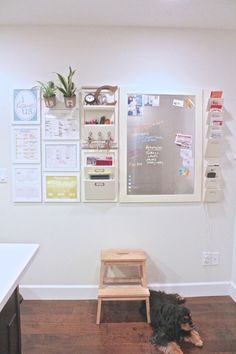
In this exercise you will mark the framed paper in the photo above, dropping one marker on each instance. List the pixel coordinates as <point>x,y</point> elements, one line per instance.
<point>61,124</point>
<point>61,156</point>
<point>26,103</point>
<point>161,145</point>
<point>27,183</point>
<point>26,144</point>
<point>61,187</point>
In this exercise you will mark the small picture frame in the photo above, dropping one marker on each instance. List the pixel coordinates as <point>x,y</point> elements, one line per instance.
<point>61,156</point>
<point>60,187</point>
<point>26,106</point>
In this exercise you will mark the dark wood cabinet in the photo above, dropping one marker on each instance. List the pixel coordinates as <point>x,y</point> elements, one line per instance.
<point>10,333</point>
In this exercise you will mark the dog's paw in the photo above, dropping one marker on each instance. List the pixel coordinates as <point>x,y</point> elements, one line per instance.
<point>194,338</point>
<point>199,343</point>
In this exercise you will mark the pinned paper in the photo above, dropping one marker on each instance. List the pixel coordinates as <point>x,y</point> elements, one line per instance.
<point>186,153</point>
<point>152,100</point>
<point>178,103</point>
<point>183,140</point>
<point>188,103</point>
<point>188,162</point>
<point>183,171</point>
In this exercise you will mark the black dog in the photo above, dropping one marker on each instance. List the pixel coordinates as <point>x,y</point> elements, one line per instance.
<point>171,322</point>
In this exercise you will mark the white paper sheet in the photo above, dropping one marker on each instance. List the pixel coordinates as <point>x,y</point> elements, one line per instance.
<point>26,144</point>
<point>63,124</point>
<point>26,184</point>
<point>61,156</point>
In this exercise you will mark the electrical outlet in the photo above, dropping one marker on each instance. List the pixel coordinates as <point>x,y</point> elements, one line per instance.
<point>210,258</point>
<point>215,258</point>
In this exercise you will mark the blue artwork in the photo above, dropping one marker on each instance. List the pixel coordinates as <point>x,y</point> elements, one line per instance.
<point>26,107</point>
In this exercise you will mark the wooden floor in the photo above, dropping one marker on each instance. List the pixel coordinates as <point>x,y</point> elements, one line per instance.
<point>68,327</point>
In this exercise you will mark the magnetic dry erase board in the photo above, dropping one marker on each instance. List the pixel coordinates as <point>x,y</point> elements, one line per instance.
<point>161,146</point>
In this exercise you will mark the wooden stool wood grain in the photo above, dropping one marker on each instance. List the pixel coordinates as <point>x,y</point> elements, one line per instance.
<point>138,283</point>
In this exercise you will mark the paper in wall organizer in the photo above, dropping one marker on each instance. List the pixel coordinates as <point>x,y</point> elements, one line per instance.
<point>213,170</point>
<point>215,115</point>
<point>215,103</point>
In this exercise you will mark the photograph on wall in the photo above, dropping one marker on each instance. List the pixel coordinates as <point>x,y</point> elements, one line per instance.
<point>151,100</point>
<point>61,187</point>
<point>62,156</point>
<point>61,125</point>
<point>26,103</point>
<point>135,105</point>
<point>26,144</point>
<point>26,183</point>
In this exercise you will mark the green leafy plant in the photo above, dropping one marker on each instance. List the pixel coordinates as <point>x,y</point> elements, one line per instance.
<point>67,85</point>
<point>48,88</point>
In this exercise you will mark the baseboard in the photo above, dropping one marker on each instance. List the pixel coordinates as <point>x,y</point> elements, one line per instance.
<point>82,292</point>
<point>233,291</point>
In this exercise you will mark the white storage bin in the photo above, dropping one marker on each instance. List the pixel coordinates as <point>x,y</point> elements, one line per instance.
<point>99,190</point>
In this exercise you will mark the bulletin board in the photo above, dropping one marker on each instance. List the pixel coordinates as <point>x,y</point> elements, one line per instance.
<point>161,146</point>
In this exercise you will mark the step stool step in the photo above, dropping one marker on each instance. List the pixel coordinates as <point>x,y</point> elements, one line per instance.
<point>125,293</point>
<point>122,255</point>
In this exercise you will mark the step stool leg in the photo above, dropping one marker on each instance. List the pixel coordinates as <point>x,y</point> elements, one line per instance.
<point>143,275</point>
<point>102,275</point>
<point>99,306</point>
<point>148,310</point>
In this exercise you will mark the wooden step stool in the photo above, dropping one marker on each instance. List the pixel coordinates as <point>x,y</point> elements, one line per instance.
<point>127,258</point>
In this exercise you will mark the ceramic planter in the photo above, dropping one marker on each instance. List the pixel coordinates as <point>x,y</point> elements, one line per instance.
<point>70,102</point>
<point>50,102</point>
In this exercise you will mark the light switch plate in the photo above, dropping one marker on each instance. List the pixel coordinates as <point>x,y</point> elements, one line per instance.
<point>3,175</point>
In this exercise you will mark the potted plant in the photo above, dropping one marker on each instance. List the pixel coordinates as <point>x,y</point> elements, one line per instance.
<point>49,93</point>
<point>67,88</point>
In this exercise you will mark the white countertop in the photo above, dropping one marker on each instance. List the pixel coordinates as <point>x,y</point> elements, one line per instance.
<point>15,259</point>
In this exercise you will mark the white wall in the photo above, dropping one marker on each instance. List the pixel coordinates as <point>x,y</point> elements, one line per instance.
<point>71,236</point>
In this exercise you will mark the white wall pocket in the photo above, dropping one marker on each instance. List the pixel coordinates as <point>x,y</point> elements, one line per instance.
<point>213,195</point>
<point>100,176</point>
<point>99,190</point>
<point>212,182</point>
<point>213,148</point>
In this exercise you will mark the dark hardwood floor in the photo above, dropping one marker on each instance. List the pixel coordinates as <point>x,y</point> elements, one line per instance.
<point>68,327</point>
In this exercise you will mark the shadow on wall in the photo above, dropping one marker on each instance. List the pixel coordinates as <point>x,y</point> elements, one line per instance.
<point>157,272</point>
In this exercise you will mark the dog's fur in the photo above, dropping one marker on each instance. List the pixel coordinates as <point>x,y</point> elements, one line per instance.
<point>171,322</point>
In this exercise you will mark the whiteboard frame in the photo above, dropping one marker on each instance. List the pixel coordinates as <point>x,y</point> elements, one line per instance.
<point>162,198</point>
<point>62,169</point>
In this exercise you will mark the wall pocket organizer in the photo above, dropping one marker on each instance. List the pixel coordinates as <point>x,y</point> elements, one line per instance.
<point>213,191</point>
<point>99,141</point>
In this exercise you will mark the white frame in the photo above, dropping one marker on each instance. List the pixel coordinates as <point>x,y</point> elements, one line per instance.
<point>49,142</point>
<point>196,196</point>
<point>23,166</point>
<point>56,174</point>
<point>13,144</point>
<point>38,104</point>
<point>55,111</point>
<point>94,108</point>
<point>114,166</point>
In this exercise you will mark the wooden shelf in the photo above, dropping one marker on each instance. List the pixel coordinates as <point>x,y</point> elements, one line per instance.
<point>99,107</point>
